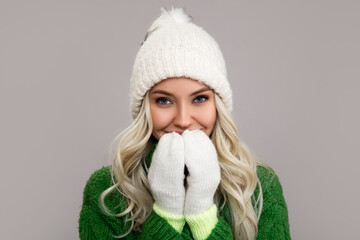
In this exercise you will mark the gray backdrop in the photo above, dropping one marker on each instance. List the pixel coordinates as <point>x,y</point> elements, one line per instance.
<point>65,68</point>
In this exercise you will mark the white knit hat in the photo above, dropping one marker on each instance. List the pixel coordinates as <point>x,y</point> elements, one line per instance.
<point>176,47</point>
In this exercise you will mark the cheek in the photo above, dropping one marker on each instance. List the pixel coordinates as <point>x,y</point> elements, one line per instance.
<point>160,118</point>
<point>211,119</point>
<point>207,118</point>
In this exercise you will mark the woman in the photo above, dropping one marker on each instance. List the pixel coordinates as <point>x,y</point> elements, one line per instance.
<point>180,170</point>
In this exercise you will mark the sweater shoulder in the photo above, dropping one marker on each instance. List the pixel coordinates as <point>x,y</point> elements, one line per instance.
<point>268,179</point>
<point>97,183</point>
<point>271,188</point>
<point>94,222</point>
<point>101,176</point>
<point>274,221</point>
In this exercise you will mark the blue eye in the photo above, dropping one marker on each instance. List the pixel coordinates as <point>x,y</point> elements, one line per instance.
<point>200,99</point>
<point>163,101</point>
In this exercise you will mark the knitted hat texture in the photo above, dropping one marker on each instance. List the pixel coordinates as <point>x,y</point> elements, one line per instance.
<point>176,47</point>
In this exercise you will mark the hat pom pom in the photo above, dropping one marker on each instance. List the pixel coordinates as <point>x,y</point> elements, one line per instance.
<point>170,17</point>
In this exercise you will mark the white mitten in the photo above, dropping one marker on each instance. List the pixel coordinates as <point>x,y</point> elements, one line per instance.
<point>204,172</point>
<point>166,174</point>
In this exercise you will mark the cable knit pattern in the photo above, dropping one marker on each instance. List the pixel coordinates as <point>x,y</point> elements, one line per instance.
<point>274,222</point>
<point>94,224</point>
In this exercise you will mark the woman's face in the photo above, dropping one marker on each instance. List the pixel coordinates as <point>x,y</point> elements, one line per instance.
<point>178,104</point>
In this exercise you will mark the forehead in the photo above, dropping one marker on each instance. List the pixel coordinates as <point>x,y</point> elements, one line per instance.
<point>178,84</point>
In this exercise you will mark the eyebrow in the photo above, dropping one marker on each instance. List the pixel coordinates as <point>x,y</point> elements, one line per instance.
<point>194,93</point>
<point>201,90</point>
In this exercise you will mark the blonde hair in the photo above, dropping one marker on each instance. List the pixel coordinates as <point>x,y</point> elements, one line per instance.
<point>238,173</point>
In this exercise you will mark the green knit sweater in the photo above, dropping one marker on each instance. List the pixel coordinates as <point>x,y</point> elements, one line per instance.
<point>94,224</point>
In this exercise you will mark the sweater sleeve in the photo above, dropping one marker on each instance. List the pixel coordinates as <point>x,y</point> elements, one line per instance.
<point>274,221</point>
<point>221,231</point>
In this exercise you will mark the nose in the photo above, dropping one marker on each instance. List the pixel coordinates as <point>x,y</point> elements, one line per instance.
<point>183,118</point>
